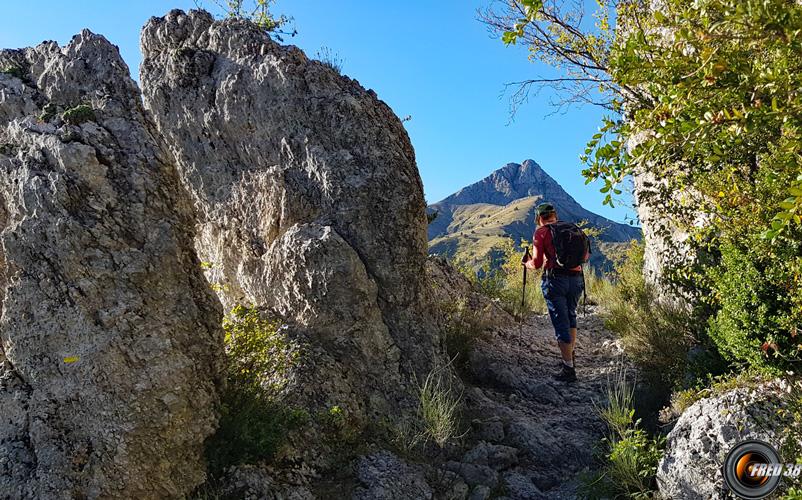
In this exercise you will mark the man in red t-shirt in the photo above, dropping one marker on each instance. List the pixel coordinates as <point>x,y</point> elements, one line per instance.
<point>561,288</point>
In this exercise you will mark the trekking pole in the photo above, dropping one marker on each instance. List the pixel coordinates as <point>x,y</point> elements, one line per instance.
<point>523,292</point>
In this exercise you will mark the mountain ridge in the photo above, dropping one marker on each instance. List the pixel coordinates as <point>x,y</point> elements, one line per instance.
<point>476,218</point>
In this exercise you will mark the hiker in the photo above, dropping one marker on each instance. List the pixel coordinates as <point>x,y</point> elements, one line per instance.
<point>560,248</point>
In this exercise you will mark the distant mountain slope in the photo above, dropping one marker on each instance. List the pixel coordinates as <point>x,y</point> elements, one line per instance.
<point>478,217</point>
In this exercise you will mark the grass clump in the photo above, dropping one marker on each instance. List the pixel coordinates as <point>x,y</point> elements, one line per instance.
<point>439,407</point>
<point>438,415</point>
<point>79,114</point>
<point>464,327</point>
<point>655,335</point>
<point>631,456</point>
<point>254,423</point>
<point>332,60</point>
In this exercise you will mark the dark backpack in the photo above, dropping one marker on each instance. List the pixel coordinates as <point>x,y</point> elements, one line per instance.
<point>571,244</point>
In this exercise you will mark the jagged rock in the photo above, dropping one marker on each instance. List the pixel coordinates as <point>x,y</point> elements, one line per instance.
<point>491,430</point>
<point>520,487</point>
<point>705,433</point>
<point>309,200</point>
<point>480,492</point>
<point>499,457</point>
<point>474,474</point>
<point>249,482</point>
<point>111,340</point>
<point>384,476</point>
<point>449,287</point>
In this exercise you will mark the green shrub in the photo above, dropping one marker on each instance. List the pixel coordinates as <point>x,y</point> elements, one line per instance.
<point>631,457</point>
<point>600,289</point>
<point>48,112</point>
<point>254,423</point>
<point>79,114</point>
<point>681,400</point>
<point>500,277</point>
<point>758,293</point>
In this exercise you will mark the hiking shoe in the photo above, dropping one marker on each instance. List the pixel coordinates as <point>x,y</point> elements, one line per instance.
<point>567,374</point>
<point>560,363</point>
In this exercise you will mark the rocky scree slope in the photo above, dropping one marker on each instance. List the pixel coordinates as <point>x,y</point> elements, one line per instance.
<point>309,204</point>
<point>110,338</point>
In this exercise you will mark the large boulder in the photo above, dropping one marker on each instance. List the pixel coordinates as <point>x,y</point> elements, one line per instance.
<point>110,336</point>
<point>309,199</point>
<point>703,435</point>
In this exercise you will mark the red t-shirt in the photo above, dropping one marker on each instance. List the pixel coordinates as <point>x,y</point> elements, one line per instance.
<point>543,243</point>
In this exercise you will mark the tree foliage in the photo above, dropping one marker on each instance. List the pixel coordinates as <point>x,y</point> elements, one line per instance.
<point>705,99</point>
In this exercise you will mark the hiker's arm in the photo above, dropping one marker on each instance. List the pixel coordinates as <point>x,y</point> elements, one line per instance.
<point>536,262</point>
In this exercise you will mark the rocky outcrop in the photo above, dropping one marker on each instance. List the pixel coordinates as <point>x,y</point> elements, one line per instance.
<point>309,201</point>
<point>111,338</point>
<point>705,433</point>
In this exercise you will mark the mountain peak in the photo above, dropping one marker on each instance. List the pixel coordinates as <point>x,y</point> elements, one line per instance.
<point>515,181</point>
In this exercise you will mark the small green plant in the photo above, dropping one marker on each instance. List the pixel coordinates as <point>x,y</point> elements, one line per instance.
<point>439,407</point>
<point>793,493</point>
<point>681,400</point>
<point>341,428</point>
<point>79,114</point>
<point>14,71</point>
<point>631,457</point>
<point>48,112</point>
<point>254,422</point>
<point>256,11</point>
<point>332,60</point>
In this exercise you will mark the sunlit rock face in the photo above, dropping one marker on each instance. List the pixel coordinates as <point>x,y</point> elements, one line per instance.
<point>698,444</point>
<point>110,336</point>
<point>309,201</point>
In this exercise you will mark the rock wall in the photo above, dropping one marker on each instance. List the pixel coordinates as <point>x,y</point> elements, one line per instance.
<point>111,340</point>
<point>309,198</point>
<point>691,467</point>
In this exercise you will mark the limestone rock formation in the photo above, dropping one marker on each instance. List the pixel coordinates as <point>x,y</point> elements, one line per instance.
<point>111,340</point>
<point>309,200</point>
<point>705,433</point>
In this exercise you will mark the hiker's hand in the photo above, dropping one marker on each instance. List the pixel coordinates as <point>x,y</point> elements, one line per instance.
<point>530,264</point>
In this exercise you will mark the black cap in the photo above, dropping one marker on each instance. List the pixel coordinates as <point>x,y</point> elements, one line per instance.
<point>545,209</point>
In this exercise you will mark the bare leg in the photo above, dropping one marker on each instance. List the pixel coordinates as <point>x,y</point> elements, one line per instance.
<point>566,351</point>
<point>572,332</point>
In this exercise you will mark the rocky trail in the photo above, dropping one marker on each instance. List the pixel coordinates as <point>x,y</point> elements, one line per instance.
<point>528,435</point>
<point>555,427</point>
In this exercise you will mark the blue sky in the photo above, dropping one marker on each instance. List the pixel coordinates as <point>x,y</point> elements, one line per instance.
<point>431,60</point>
